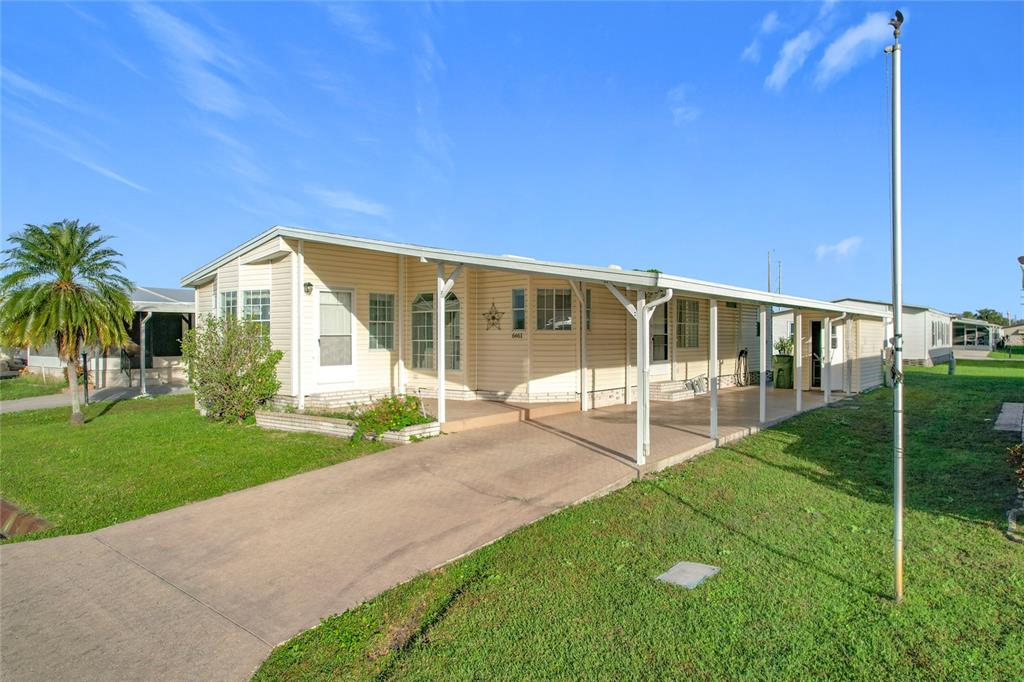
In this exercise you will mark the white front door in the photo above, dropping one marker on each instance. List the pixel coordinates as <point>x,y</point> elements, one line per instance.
<point>336,336</point>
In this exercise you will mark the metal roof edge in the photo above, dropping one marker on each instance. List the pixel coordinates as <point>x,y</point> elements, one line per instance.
<point>615,276</point>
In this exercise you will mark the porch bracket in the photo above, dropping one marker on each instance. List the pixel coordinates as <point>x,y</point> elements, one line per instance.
<point>622,299</point>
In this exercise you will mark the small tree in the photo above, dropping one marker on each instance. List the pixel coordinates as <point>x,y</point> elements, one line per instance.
<point>232,366</point>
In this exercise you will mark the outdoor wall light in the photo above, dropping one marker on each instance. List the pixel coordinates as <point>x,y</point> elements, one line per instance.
<point>308,288</point>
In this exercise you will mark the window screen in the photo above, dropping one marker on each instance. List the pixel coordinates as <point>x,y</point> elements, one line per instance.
<point>518,309</point>
<point>554,309</point>
<point>335,328</point>
<point>687,323</point>
<point>256,307</point>
<point>382,321</point>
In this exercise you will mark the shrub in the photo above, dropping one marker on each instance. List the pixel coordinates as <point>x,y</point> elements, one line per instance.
<point>784,346</point>
<point>387,414</point>
<point>1015,456</point>
<point>232,367</point>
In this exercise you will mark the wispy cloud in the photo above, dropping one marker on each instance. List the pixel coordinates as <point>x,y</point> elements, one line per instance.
<point>791,57</point>
<point>769,24</point>
<point>24,86</point>
<point>347,201</point>
<point>682,110</point>
<point>204,69</point>
<point>69,148</point>
<point>432,138</point>
<point>841,249</point>
<point>357,24</point>
<point>855,45</point>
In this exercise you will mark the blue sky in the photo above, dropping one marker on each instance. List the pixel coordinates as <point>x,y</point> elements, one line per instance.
<point>687,137</point>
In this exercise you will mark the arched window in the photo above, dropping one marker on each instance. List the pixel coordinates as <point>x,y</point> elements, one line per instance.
<point>423,332</point>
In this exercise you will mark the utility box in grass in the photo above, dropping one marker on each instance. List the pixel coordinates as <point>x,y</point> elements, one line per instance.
<point>782,369</point>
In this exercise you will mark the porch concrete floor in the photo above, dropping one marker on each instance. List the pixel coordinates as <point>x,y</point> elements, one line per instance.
<point>463,415</point>
<point>679,430</point>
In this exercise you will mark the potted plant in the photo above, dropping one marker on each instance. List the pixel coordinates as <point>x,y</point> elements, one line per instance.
<point>782,362</point>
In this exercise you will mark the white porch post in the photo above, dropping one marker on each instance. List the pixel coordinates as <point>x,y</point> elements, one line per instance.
<point>798,353</point>
<point>400,324</point>
<point>580,290</point>
<point>444,286</point>
<point>713,365</point>
<point>439,342</point>
<point>762,366</point>
<point>301,267</point>
<point>642,341</point>
<point>826,361</point>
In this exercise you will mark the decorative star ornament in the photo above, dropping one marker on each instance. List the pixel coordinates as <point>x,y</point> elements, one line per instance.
<point>493,317</point>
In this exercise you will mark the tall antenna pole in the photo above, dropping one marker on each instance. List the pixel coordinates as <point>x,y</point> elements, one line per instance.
<point>897,308</point>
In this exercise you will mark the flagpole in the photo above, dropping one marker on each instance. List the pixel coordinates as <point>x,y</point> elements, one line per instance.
<point>897,308</point>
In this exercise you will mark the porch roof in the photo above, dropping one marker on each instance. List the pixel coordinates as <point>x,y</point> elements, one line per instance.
<point>966,321</point>
<point>163,300</point>
<point>630,279</point>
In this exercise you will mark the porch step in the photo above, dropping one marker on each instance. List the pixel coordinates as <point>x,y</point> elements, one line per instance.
<point>672,391</point>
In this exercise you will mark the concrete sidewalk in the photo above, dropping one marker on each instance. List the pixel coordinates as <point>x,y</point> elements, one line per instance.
<point>43,402</point>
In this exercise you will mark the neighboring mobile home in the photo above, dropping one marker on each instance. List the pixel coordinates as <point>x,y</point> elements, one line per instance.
<point>167,314</point>
<point>359,318</point>
<point>927,332</point>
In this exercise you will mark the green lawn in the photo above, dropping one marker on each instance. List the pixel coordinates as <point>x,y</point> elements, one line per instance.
<point>980,368</point>
<point>29,386</point>
<point>799,519</point>
<point>1009,352</point>
<point>137,457</point>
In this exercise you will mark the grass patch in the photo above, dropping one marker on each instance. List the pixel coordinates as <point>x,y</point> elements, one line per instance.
<point>1008,352</point>
<point>138,457</point>
<point>980,368</point>
<point>799,518</point>
<point>30,386</point>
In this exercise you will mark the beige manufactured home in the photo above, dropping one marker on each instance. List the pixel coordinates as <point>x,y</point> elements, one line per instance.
<point>359,318</point>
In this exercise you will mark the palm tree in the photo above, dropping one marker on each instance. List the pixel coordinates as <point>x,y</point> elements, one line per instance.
<point>61,284</point>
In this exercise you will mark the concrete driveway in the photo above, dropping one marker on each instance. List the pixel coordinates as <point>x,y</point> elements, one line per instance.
<point>206,590</point>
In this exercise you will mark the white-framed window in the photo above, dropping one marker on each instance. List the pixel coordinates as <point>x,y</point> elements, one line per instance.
<point>834,337</point>
<point>687,323</point>
<point>256,306</point>
<point>659,334</point>
<point>381,325</point>
<point>423,332</point>
<point>336,313</point>
<point>554,309</point>
<point>518,309</point>
<point>229,304</point>
<point>590,309</point>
